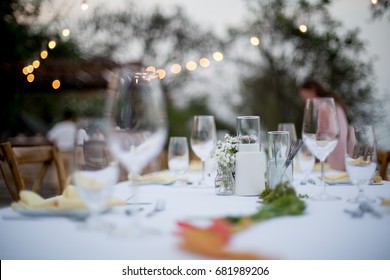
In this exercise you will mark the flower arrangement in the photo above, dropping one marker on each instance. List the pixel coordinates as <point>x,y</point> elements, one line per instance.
<point>248,139</point>
<point>225,153</point>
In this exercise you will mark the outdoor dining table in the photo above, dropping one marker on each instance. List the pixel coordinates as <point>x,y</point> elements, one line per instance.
<point>324,232</point>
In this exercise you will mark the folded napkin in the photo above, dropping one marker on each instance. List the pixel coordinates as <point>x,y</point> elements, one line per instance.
<point>156,177</point>
<point>69,200</point>
<point>386,201</point>
<point>317,166</point>
<point>195,165</point>
<point>342,176</point>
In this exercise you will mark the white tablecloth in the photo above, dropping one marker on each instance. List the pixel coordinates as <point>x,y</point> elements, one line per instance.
<point>323,232</point>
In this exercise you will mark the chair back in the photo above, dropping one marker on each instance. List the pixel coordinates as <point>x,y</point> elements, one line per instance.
<point>383,162</point>
<point>43,155</point>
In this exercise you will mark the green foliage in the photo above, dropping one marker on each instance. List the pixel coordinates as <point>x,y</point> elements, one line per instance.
<point>280,201</point>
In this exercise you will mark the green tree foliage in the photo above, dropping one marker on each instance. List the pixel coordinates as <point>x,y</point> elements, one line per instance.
<point>287,56</point>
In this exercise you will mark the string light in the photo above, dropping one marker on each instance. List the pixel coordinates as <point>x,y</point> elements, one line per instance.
<point>303,28</point>
<point>52,44</point>
<point>204,62</point>
<point>175,68</point>
<point>218,56</point>
<point>255,41</point>
<point>44,54</point>
<point>30,78</point>
<point>65,32</point>
<point>56,84</point>
<point>84,5</point>
<point>36,63</point>
<point>161,73</point>
<point>191,65</point>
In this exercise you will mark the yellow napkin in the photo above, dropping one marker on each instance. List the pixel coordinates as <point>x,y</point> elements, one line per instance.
<point>195,165</point>
<point>70,200</point>
<point>386,201</point>
<point>342,176</point>
<point>160,177</point>
<point>317,166</point>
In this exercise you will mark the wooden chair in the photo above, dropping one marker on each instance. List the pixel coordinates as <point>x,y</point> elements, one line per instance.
<point>383,162</point>
<point>11,159</point>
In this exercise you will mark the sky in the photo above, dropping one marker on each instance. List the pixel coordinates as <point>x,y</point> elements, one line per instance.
<point>219,14</point>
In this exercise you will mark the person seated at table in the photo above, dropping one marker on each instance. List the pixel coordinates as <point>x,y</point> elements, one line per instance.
<point>311,88</point>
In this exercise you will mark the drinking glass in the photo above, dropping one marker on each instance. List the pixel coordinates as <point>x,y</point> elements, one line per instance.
<point>320,133</point>
<point>306,162</point>
<point>361,159</point>
<point>203,140</point>
<point>290,127</point>
<point>178,157</point>
<point>136,104</point>
<point>278,148</point>
<point>95,171</point>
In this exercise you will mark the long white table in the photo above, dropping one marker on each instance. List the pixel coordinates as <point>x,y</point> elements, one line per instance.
<point>324,232</point>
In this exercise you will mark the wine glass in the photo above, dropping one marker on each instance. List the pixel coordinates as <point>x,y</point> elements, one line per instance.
<point>178,157</point>
<point>361,159</point>
<point>320,133</point>
<point>290,127</point>
<point>306,162</point>
<point>203,140</point>
<point>136,104</point>
<point>95,171</point>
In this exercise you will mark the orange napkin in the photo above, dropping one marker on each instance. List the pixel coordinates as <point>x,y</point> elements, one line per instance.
<point>212,241</point>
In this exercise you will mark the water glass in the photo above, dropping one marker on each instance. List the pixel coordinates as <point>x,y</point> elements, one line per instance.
<point>278,147</point>
<point>178,157</point>
<point>278,144</point>
<point>278,172</point>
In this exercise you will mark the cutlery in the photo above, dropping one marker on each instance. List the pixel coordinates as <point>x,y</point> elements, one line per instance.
<point>367,208</point>
<point>364,207</point>
<point>294,148</point>
<point>159,206</point>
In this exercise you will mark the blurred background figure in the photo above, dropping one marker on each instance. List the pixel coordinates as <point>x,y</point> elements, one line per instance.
<point>62,135</point>
<point>311,88</point>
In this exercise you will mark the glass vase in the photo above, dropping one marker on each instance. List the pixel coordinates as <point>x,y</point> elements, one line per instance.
<point>224,181</point>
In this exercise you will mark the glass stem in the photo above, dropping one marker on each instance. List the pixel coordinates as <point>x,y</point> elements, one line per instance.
<point>323,177</point>
<point>203,171</point>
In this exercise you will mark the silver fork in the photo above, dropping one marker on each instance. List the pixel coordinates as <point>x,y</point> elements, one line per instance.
<point>358,213</point>
<point>367,208</point>
<point>159,206</point>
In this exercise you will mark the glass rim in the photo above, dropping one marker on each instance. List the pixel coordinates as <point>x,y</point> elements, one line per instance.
<point>278,132</point>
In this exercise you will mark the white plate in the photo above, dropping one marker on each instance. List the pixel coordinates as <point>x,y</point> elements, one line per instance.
<point>347,182</point>
<point>72,213</point>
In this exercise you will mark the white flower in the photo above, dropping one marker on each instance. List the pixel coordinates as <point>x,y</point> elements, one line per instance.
<point>225,152</point>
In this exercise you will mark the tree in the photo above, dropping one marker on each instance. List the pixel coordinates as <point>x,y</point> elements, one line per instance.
<point>288,54</point>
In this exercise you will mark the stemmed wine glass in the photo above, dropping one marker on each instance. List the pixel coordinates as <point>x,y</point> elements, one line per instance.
<point>361,158</point>
<point>178,157</point>
<point>95,171</point>
<point>203,140</point>
<point>136,104</point>
<point>320,133</point>
<point>290,127</point>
